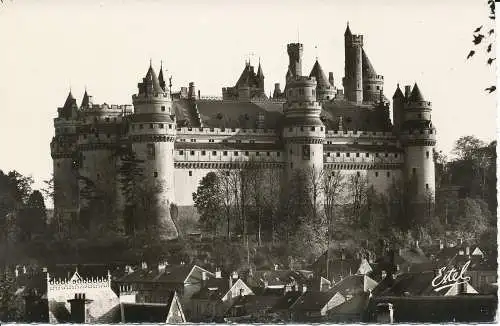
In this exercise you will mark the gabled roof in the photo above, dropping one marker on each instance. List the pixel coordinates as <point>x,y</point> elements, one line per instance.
<point>354,284</point>
<point>368,69</point>
<point>319,74</point>
<point>416,95</point>
<point>354,306</point>
<point>313,301</point>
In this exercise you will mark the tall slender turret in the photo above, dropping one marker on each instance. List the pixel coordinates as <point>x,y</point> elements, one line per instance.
<point>418,137</point>
<point>152,134</point>
<point>353,79</point>
<point>398,100</point>
<point>295,51</point>
<point>64,152</point>
<point>303,130</point>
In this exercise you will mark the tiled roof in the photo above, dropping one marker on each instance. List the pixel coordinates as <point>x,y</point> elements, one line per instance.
<point>355,117</point>
<point>354,284</point>
<point>398,93</point>
<point>313,300</point>
<point>356,305</point>
<point>175,274</point>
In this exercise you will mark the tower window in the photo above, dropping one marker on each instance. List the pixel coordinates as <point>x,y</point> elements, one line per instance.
<point>291,165</point>
<point>358,174</point>
<point>236,153</point>
<point>214,153</point>
<point>257,153</point>
<point>348,154</point>
<point>313,128</point>
<point>357,154</point>
<point>193,140</point>
<point>427,186</point>
<point>246,153</point>
<point>192,153</point>
<point>98,176</point>
<point>376,174</point>
<point>151,151</point>
<point>338,155</point>
<point>141,126</point>
<point>161,125</point>
<point>151,126</point>
<point>203,153</point>
<point>155,174</point>
<point>278,154</point>
<point>367,154</point>
<point>225,153</point>
<point>388,174</point>
<point>427,154</point>
<point>163,107</point>
<point>328,154</point>
<point>386,154</point>
<point>301,128</point>
<point>268,154</point>
<point>107,119</point>
<point>376,154</point>
<point>181,152</point>
<point>190,173</point>
<point>321,128</point>
<point>396,155</point>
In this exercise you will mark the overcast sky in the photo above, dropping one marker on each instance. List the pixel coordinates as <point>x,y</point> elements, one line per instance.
<point>48,46</point>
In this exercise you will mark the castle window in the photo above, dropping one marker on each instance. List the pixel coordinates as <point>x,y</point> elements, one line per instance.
<point>386,154</point>
<point>211,129</point>
<point>224,141</point>
<point>155,174</point>
<point>161,125</point>
<point>396,155</point>
<point>376,174</point>
<point>246,153</point>
<point>358,174</point>
<point>268,154</point>
<point>151,126</point>
<point>313,128</point>
<point>321,128</point>
<point>107,119</point>
<point>235,153</point>
<point>357,154</point>
<point>163,107</point>
<point>203,153</point>
<point>338,155</point>
<point>190,173</point>
<point>227,173</point>
<point>238,141</point>
<point>367,154</point>
<point>414,170</point>
<point>388,174</point>
<point>233,129</point>
<point>290,129</point>
<point>224,153</point>
<point>193,140</point>
<point>328,154</point>
<point>192,153</point>
<point>427,154</point>
<point>181,152</point>
<point>278,154</point>
<point>427,186</point>
<point>140,126</point>
<point>348,154</point>
<point>214,153</point>
<point>210,140</point>
<point>169,126</point>
<point>301,128</point>
<point>257,153</point>
<point>376,154</point>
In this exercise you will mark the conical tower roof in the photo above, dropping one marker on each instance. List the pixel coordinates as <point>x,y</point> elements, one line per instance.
<point>86,100</point>
<point>416,95</point>
<point>368,69</point>
<point>70,101</point>
<point>398,93</point>
<point>161,79</point>
<point>347,30</point>
<point>319,74</point>
<point>260,74</point>
<point>151,77</point>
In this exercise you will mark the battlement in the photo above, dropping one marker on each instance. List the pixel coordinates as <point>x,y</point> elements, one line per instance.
<point>105,107</point>
<point>359,134</point>
<point>418,105</point>
<point>357,39</point>
<point>374,77</point>
<point>294,47</point>
<point>224,131</point>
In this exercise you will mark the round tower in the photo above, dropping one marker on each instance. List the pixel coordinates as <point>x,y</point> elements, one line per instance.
<point>353,80</point>
<point>294,51</point>
<point>65,156</point>
<point>152,134</point>
<point>398,100</point>
<point>418,137</point>
<point>303,130</point>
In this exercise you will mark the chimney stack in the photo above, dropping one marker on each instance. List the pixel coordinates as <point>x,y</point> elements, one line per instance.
<point>218,273</point>
<point>78,312</point>
<point>407,91</point>
<point>192,91</point>
<point>304,288</point>
<point>441,244</point>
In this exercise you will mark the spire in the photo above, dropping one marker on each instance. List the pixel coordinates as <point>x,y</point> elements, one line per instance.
<point>416,95</point>
<point>86,102</point>
<point>347,30</point>
<point>160,76</point>
<point>398,93</point>
<point>260,74</point>
<point>319,74</point>
<point>152,79</point>
<point>70,100</point>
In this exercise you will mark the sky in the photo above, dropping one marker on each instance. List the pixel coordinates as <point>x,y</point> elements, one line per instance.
<point>49,47</point>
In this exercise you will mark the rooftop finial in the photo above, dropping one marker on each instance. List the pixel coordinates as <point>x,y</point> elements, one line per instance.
<point>150,62</point>
<point>161,64</point>
<point>316,48</point>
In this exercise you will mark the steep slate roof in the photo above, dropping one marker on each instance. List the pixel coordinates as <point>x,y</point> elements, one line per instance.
<point>175,274</point>
<point>319,74</point>
<point>416,95</point>
<point>355,117</point>
<point>354,284</point>
<point>151,76</point>
<point>398,93</point>
<point>313,300</point>
<point>368,69</point>
<point>355,306</point>
<point>85,100</point>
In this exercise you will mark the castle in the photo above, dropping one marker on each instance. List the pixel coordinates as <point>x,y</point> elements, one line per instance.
<point>311,124</point>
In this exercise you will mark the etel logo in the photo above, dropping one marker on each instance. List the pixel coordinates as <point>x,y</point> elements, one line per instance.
<point>446,279</point>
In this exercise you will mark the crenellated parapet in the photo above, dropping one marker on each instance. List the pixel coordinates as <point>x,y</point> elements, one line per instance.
<point>77,283</point>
